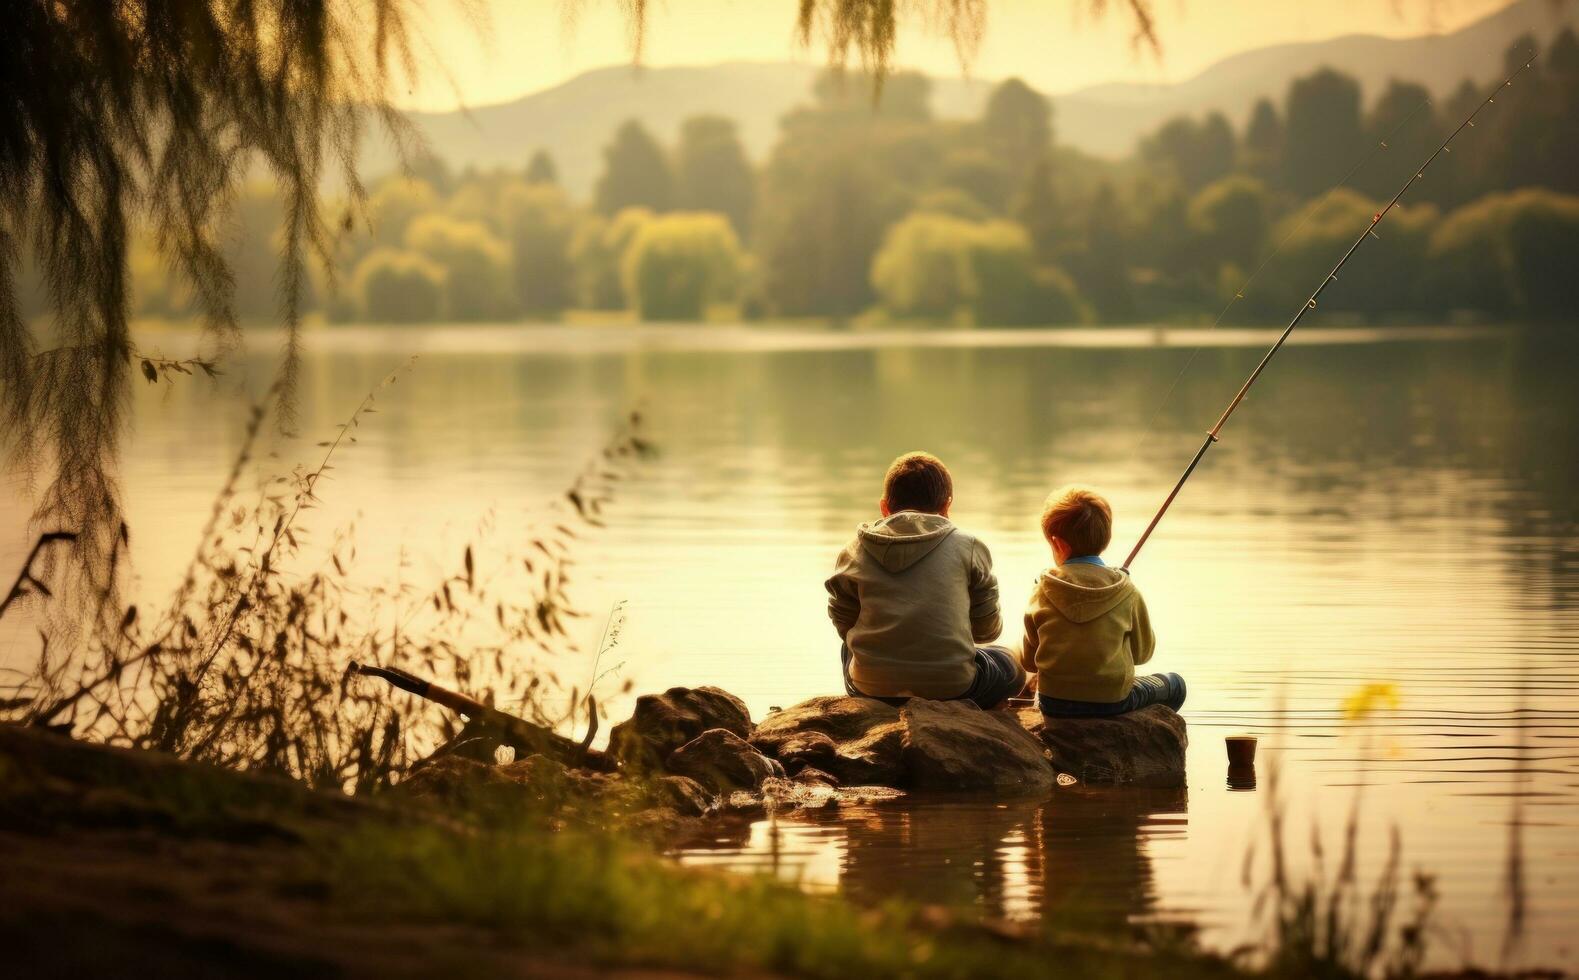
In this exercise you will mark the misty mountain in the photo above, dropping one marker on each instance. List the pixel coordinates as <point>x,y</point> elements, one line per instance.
<point>575,119</point>
<point>1108,119</point>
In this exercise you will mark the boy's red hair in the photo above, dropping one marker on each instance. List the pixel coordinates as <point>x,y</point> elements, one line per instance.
<point>1079,517</point>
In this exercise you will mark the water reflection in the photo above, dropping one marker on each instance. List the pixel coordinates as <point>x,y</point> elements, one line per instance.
<point>1080,859</point>
<point>1389,508</point>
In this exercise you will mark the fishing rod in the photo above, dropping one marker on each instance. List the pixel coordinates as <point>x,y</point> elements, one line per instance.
<point>1310,304</point>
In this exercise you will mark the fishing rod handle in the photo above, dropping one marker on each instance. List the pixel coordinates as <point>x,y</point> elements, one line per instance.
<point>453,700</point>
<point>395,676</point>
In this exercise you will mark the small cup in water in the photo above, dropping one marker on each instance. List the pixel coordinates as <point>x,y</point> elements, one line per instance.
<point>1241,762</point>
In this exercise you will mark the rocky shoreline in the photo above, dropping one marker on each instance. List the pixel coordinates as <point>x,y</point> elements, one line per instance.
<point>691,753</point>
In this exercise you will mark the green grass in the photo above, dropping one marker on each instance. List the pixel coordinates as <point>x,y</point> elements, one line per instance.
<point>614,903</point>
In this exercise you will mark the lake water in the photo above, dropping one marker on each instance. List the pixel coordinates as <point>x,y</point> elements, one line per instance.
<point>1396,509</point>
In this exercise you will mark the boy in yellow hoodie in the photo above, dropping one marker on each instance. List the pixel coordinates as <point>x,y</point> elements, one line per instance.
<point>1086,629</point>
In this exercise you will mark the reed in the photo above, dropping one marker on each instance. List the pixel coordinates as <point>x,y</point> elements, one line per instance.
<point>1330,923</point>
<point>245,666</point>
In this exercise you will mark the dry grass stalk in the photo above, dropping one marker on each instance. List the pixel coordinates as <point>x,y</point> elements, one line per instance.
<point>246,666</point>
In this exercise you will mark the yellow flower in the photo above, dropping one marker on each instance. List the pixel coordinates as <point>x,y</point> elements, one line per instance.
<point>1369,699</point>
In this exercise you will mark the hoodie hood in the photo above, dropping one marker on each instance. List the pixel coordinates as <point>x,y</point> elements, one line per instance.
<point>1084,592</point>
<point>900,540</point>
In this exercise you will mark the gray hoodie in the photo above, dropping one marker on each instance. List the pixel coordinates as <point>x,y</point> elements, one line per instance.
<point>911,597</point>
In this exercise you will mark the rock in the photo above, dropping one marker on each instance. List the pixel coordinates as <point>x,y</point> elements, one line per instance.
<point>1142,748</point>
<point>811,776</point>
<point>723,762</point>
<point>807,750</point>
<point>954,745</point>
<point>868,737</point>
<point>783,794</point>
<point>536,769</point>
<point>874,760</point>
<point>454,781</point>
<point>840,718</point>
<point>664,722</point>
<point>777,794</point>
<point>683,795</point>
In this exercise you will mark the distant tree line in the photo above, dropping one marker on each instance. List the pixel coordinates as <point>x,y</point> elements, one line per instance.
<point>886,213</point>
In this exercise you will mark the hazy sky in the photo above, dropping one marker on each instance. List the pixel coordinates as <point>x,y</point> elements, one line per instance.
<point>531,44</point>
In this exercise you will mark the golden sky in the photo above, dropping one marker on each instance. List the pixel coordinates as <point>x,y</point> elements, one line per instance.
<point>530,45</point>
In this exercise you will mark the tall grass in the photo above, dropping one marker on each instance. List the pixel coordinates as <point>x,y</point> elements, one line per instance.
<point>245,665</point>
<point>1329,923</point>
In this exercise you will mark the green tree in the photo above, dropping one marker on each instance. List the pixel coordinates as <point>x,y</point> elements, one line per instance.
<point>937,267</point>
<point>1562,143</point>
<point>1463,175</point>
<point>540,169</point>
<point>921,270</point>
<point>476,265</point>
<point>838,177</point>
<point>712,172</point>
<point>597,252</point>
<point>1262,153</point>
<point>635,173</point>
<point>1038,210</point>
<point>1008,289</point>
<point>1323,131</point>
<point>1508,255</point>
<point>395,204</point>
<point>1466,260</point>
<point>1195,153</point>
<point>1100,266</point>
<point>680,263</point>
<point>1543,239</point>
<point>1386,279</point>
<point>1230,219</point>
<point>1520,136</point>
<point>433,170</point>
<point>979,175</point>
<point>1017,127</point>
<point>952,202</point>
<point>1402,120</point>
<point>396,286</point>
<point>539,224</point>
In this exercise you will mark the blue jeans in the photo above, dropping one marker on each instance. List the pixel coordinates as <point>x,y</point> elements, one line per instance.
<point>999,677</point>
<point>1152,689</point>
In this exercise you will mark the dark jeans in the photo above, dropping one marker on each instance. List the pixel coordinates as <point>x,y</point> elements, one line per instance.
<point>1151,689</point>
<point>999,677</point>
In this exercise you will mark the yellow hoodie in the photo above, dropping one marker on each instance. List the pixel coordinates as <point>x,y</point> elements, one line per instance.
<point>1086,629</point>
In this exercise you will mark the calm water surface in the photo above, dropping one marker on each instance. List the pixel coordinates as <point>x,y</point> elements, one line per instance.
<point>1382,511</point>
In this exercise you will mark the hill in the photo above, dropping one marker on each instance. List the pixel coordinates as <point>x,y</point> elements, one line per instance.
<point>573,120</point>
<point>1107,119</point>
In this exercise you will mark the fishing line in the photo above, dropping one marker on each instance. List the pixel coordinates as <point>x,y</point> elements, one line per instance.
<point>1310,211</point>
<point>1310,304</point>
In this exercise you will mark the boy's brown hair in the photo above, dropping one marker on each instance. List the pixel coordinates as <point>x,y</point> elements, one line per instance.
<point>1079,517</point>
<point>918,481</point>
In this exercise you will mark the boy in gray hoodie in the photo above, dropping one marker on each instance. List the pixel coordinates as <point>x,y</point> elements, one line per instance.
<point>913,597</point>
